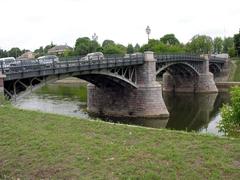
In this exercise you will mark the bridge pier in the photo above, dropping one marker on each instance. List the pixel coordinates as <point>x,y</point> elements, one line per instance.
<point>144,101</point>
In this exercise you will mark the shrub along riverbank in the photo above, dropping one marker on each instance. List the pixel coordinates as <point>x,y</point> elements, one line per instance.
<point>39,145</point>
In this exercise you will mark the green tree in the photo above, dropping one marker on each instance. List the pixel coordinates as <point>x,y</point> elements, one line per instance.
<point>39,52</point>
<point>237,43</point>
<point>200,44</point>
<point>137,48</point>
<point>130,49</point>
<point>107,42</point>
<point>159,47</point>
<point>230,123</point>
<point>114,49</point>
<point>228,44</point>
<point>3,53</point>
<point>14,52</point>
<point>83,46</point>
<point>169,39</point>
<point>218,45</point>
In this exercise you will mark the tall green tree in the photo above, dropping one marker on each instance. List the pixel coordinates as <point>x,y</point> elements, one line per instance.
<point>200,44</point>
<point>217,45</point>
<point>227,44</point>
<point>169,39</point>
<point>130,49</point>
<point>83,46</point>
<point>237,43</point>
<point>137,48</point>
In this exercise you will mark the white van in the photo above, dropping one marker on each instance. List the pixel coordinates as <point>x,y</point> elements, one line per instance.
<point>93,56</point>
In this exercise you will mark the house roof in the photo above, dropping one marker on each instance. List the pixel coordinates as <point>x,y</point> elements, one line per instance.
<point>59,48</point>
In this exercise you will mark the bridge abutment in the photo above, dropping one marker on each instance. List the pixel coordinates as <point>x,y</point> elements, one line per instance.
<point>144,101</point>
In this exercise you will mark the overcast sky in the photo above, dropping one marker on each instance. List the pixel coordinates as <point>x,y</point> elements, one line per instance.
<point>30,24</point>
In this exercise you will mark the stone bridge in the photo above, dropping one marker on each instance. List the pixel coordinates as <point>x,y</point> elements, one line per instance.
<point>120,86</point>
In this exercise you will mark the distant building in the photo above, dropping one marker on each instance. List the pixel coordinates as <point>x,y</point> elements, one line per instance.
<point>57,50</point>
<point>27,55</point>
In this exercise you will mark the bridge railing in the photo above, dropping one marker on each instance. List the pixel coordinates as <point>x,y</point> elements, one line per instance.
<point>217,59</point>
<point>68,64</point>
<point>177,57</point>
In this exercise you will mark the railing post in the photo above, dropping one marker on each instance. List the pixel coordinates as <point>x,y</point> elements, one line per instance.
<point>2,70</point>
<point>2,76</point>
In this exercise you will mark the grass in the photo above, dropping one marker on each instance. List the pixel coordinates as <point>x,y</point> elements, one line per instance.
<point>235,70</point>
<point>39,145</point>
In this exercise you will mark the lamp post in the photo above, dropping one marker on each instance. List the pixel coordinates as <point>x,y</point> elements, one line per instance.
<point>148,31</point>
<point>94,38</point>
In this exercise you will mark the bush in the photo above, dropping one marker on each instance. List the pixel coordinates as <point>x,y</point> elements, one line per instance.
<point>230,123</point>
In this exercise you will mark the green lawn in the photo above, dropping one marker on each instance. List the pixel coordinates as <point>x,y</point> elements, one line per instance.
<point>38,145</point>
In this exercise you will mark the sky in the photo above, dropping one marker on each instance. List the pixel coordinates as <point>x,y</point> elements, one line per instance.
<point>29,24</point>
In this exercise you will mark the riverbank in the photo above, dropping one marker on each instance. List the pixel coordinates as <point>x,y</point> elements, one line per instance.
<point>39,145</point>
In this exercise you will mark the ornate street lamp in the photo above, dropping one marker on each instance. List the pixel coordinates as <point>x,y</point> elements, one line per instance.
<point>148,31</point>
<point>94,37</point>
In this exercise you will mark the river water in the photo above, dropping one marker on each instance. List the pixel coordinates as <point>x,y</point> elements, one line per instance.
<point>189,112</point>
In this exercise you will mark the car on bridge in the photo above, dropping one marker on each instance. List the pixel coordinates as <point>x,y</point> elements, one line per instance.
<point>48,60</point>
<point>93,56</point>
<point>6,63</point>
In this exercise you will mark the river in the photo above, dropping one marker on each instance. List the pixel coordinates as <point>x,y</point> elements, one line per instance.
<point>188,112</point>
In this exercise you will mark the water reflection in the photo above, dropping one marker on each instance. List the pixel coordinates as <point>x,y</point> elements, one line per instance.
<point>191,112</point>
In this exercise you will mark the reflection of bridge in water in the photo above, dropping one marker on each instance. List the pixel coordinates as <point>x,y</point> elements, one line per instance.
<point>191,112</point>
<point>121,86</point>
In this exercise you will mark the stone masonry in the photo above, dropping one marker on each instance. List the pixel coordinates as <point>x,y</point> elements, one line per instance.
<point>144,101</point>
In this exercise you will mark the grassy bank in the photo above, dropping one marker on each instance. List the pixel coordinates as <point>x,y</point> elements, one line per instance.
<point>37,145</point>
<point>235,70</point>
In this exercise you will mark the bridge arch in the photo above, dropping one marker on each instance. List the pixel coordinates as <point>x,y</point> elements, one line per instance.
<point>214,68</point>
<point>124,77</point>
<point>176,67</point>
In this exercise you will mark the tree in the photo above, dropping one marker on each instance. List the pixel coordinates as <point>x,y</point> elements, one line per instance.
<point>130,49</point>
<point>14,52</point>
<point>136,48</point>
<point>39,52</point>
<point>82,46</point>
<point>228,44</point>
<point>159,47</point>
<point>217,45</point>
<point>114,49</point>
<point>169,39</point>
<point>230,123</point>
<point>107,42</point>
<point>200,44</point>
<point>237,43</point>
<point>3,53</point>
